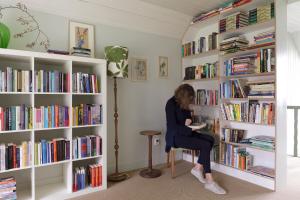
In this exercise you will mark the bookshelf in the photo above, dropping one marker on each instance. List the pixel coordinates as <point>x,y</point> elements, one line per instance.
<point>261,156</point>
<point>54,179</point>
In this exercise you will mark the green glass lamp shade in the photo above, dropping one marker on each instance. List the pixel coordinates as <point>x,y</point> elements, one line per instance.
<point>4,36</point>
<point>117,61</point>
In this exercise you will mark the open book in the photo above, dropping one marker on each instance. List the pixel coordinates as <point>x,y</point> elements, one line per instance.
<point>197,126</point>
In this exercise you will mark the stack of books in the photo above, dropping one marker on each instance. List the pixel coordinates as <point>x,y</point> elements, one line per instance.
<point>265,38</point>
<point>236,157</point>
<point>13,80</point>
<point>253,16</point>
<point>264,13</point>
<point>232,135</point>
<point>207,97</point>
<point>233,44</point>
<point>87,146</point>
<point>263,142</point>
<point>87,176</point>
<point>233,22</point>
<point>15,156</point>
<point>235,112</point>
<point>60,52</point>
<point>51,116</point>
<point>206,71</point>
<point>85,83</point>
<point>262,170</point>
<point>51,151</point>
<point>8,188</point>
<point>16,118</point>
<point>204,16</point>
<point>233,89</point>
<point>76,51</point>
<point>51,81</point>
<point>261,113</point>
<point>261,89</point>
<point>87,114</point>
<point>245,64</point>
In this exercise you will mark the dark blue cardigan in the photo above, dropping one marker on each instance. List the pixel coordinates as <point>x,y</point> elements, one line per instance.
<point>176,122</point>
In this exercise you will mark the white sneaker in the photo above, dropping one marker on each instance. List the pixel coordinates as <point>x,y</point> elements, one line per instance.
<point>198,174</point>
<point>214,187</point>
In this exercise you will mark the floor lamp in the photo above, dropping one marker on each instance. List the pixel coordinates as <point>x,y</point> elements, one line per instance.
<point>117,67</point>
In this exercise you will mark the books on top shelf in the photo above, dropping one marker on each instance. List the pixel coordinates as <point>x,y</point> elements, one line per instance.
<point>262,170</point>
<point>16,118</point>
<point>90,176</point>
<point>15,80</point>
<point>233,44</point>
<point>206,97</point>
<point>83,52</point>
<point>261,113</point>
<point>87,114</point>
<point>202,45</point>
<point>233,22</point>
<point>203,16</point>
<point>261,89</point>
<point>51,116</point>
<point>51,151</point>
<point>236,157</point>
<point>232,135</point>
<point>85,83</point>
<point>51,81</point>
<point>8,188</point>
<point>206,71</point>
<point>87,146</point>
<point>15,156</point>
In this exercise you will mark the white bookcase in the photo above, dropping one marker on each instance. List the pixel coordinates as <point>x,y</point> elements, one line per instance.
<point>265,158</point>
<point>54,180</point>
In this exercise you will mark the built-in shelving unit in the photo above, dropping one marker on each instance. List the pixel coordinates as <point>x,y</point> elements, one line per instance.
<point>204,28</point>
<point>54,180</point>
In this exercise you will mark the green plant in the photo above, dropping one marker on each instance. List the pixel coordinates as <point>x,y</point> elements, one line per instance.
<point>4,36</point>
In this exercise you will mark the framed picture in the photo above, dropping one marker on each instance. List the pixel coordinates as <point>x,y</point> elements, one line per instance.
<point>82,38</point>
<point>163,67</point>
<point>138,69</point>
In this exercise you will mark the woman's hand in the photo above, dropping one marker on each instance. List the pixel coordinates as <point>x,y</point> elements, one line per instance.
<point>188,122</point>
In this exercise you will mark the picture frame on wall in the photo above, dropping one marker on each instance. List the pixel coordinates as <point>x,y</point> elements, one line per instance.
<point>163,70</point>
<point>139,69</point>
<point>81,39</point>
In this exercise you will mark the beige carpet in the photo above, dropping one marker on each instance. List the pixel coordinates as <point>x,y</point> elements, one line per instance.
<point>186,187</point>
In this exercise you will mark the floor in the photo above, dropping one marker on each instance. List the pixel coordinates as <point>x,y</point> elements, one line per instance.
<point>186,187</point>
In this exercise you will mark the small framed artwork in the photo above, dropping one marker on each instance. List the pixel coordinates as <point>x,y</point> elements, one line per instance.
<point>81,39</point>
<point>138,69</point>
<point>163,67</point>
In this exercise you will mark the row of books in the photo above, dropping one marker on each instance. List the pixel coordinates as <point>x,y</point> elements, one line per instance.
<point>87,146</point>
<point>236,157</point>
<point>51,116</point>
<point>15,156</point>
<point>234,21</point>
<point>232,135</point>
<point>90,176</point>
<point>233,89</point>
<point>261,89</point>
<point>8,188</point>
<point>207,97</point>
<point>15,118</point>
<point>261,14</point>
<point>202,45</point>
<point>85,83</point>
<point>51,81</point>
<point>233,44</point>
<point>87,114</point>
<point>253,112</point>
<point>206,71</point>
<point>15,80</point>
<point>51,151</point>
<point>83,52</point>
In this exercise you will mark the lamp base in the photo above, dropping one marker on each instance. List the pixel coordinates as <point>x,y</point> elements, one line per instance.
<point>118,177</point>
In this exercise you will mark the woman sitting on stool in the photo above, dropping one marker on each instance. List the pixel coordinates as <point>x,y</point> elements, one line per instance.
<point>179,135</point>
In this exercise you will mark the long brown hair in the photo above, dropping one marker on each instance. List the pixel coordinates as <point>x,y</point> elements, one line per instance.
<point>184,96</point>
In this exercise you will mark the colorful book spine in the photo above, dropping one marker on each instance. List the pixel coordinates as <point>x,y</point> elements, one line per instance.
<point>232,89</point>
<point>90,176</point>
<point>232,135</point>
<point>207,97</point>
<point>15,156</point>
<point>51,81</point>
<point>8,188</point>
<point>87,114</point>
<point>85,83</point>
<point>87,146</point>
<point>51,116</point>
<point>15,118</point>
<point>14,80</point>
<point>51,151</point>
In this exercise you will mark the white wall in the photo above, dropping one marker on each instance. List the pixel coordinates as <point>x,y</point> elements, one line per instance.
<point>141,104</point>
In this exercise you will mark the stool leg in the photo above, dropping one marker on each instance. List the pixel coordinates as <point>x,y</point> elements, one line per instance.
<point>168,160</point>
<point>173,156</point>
<point>193,156</point>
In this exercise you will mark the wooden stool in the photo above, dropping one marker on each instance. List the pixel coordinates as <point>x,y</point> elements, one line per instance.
<point>173,159</point>
<point>150,172</point>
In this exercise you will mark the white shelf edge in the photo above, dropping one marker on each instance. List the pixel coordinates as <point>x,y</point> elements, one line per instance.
<point>83,126</point>
<point>86,94</point>
<point>15,169</point>
<point>15,131</point>
<point>51,164</point>
<point>49,129</point>
<point>87,158</point>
